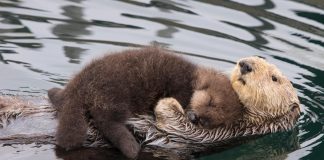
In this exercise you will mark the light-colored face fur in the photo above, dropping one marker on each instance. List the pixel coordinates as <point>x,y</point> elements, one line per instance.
<point>265,92</point>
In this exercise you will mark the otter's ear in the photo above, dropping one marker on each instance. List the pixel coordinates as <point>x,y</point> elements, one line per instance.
<point>294,107</point>
<point>202,86</point>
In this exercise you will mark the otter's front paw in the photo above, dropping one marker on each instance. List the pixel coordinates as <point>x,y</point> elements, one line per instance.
<point>166,111</point>
<point>168,106</point>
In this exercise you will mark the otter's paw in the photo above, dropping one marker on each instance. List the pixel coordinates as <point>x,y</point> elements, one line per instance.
<point>168,106</point>
<point>166,110</point>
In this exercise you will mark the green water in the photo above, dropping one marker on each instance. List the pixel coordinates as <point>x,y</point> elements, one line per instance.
<point>44,42</point>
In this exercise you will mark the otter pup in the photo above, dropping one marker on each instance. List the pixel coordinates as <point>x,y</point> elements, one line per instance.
<point>119,86</point>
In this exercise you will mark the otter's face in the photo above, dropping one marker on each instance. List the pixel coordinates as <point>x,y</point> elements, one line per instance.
<point>201,112</point>
<point>264,91</point>
<point>214,101</point>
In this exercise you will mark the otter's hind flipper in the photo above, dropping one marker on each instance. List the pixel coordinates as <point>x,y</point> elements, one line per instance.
<point>72,127</point>
<point>111,123</point>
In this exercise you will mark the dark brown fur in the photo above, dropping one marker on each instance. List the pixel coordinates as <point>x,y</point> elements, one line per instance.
<point>214,101</point>
<point>119,86</point>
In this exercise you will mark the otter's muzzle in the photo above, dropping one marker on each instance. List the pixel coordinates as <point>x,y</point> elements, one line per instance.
<point>245,67</point>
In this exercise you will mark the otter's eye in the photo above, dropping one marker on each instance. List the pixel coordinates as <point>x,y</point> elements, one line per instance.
<point>204,86</point>
<point>274,78</point>
<point>204,122</point>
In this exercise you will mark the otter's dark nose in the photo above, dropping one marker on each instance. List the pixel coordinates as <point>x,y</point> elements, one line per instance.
<point>193,118</point>
<point>245,67</point>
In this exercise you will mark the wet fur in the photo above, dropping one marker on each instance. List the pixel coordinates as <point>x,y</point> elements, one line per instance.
<point>214,100</point>
<point>264,99</point>
<point>118,86</point>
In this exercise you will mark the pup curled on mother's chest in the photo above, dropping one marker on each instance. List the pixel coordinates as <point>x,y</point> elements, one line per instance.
<point>119,86</point>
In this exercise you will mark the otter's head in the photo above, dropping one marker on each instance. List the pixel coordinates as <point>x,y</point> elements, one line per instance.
<point>214,101</point>
<point>266,94</point>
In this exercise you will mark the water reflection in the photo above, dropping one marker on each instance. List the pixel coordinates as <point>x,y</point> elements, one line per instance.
<point>72,30</point>
<point>309,39</point>
<point>311,15</point>
<point>314,3</point>
<point>13,31</point>
<point>269,15</point>
<point>99,154</point>
<point>162,5</point>
<point>209,32</point>
<point>311,122</point>
<point>279,148</point>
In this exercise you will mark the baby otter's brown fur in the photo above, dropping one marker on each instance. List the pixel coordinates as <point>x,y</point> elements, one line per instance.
<point>118,86</point>
<point>214,102</point>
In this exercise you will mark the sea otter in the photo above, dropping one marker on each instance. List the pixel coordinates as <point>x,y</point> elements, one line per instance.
<point>270,103</point>
<point>120,86</point>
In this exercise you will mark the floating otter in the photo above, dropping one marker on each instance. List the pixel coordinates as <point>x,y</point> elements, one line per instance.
<point>170,127</point>
<point>119,86</point>
<point>270,104</point>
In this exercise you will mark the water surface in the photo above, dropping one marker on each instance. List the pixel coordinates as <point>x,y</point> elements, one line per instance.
<point>43,43</point>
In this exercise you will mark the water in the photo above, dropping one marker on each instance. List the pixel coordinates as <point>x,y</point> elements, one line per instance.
<point>43,43</point>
